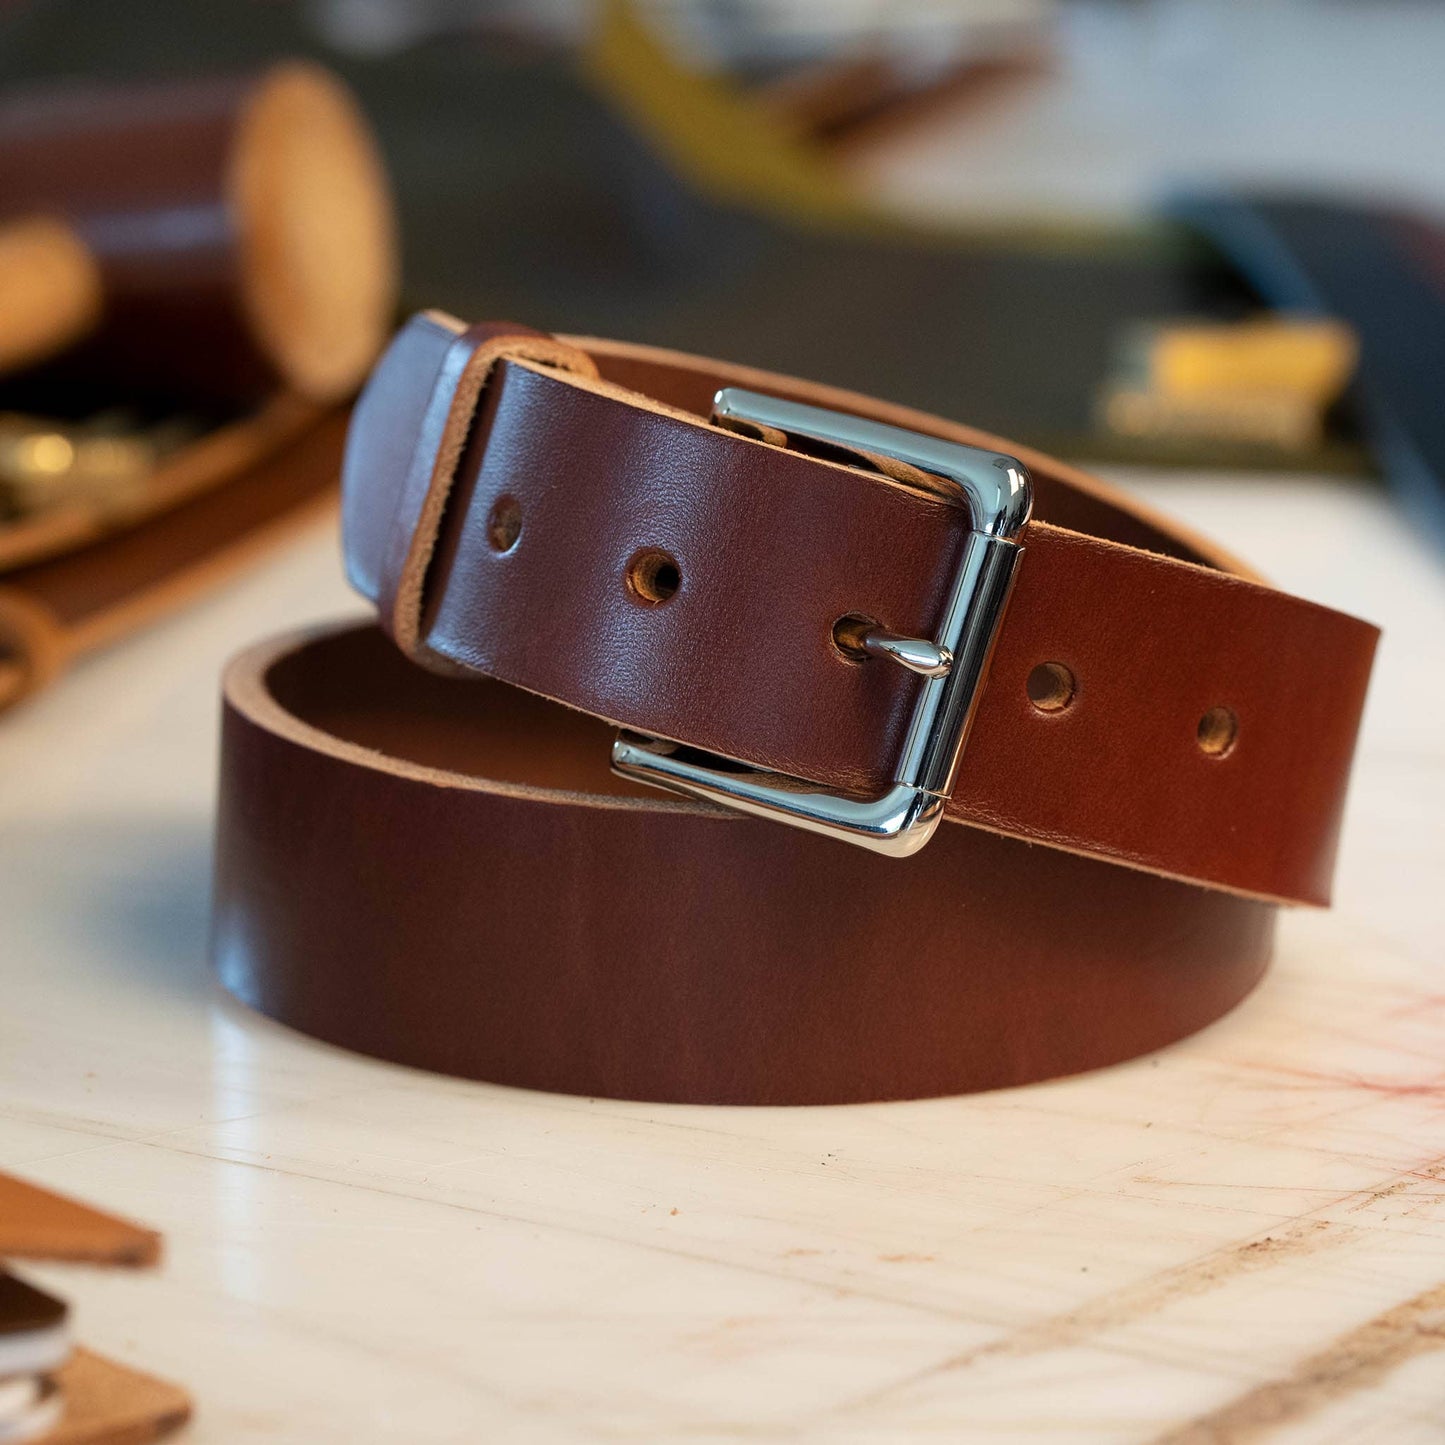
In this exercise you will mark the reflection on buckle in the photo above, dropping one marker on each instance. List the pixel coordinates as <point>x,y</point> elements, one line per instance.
<point>952,665</point>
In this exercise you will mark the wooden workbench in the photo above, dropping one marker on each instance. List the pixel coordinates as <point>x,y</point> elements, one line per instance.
<point>1240,1239</point>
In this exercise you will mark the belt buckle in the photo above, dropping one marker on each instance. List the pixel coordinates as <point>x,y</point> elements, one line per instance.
<point>952,665</point>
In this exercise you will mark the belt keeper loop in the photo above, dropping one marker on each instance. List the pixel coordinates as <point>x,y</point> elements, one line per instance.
<point>422,500</point>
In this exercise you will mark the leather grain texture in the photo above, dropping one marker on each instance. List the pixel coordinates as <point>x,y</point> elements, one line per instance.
<point>434,864</point>
<point>444,872</point>
<point>1156,626</point>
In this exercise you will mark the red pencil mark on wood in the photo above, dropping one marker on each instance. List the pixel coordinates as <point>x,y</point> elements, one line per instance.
<point>1421,1004</point>
<point>1427,1173</point>
<point>1394,1088</point>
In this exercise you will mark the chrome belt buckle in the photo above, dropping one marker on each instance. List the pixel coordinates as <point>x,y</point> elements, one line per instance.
<point>952,665</point>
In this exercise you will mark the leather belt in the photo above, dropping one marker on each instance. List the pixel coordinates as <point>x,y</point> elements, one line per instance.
<point>807,607</point>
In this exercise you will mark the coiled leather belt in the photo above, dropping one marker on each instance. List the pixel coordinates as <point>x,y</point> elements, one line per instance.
<point>839,614</point>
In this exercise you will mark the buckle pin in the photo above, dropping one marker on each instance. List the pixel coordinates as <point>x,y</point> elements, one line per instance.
<point>917,654</point>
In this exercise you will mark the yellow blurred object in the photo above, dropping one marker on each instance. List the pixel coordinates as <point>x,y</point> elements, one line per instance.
<point>1281,419</point>
<point>1308,358</point>
<point>733,146</point>
<point>50,292</point>
<point>1264,382</point>
<point>730,150</point>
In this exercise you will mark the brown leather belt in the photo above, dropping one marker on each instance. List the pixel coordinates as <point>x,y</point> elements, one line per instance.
<point>435,864</point>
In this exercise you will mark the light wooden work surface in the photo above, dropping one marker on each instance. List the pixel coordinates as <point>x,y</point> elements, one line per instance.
<point>1246,1231</point>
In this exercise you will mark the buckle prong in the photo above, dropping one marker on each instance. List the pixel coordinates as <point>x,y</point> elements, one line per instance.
<point>952,665</point>
<point>917,654</point>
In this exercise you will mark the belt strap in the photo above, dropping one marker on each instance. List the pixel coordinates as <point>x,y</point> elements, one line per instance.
<point>613,459</point>
<point>445,873</point>
<point>436,865</point>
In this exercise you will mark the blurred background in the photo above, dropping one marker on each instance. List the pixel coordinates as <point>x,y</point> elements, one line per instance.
<point>1174,233</point>
<point>1195,244</point>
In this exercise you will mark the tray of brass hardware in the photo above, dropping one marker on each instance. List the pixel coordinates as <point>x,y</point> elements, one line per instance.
<point>65,483</point>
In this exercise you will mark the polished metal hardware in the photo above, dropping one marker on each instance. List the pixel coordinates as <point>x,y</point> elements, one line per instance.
<point>104,463</point>
<point>917,654</point>
<point>952,665</point>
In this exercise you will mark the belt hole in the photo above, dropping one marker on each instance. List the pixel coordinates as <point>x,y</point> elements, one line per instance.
<point>504,523</point>
<point>653,576</point>
<point>1217,732</point>
<point>848,633</point>
<point>1051,687</point>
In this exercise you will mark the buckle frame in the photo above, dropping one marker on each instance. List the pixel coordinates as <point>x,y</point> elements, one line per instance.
<point>899,821</point>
